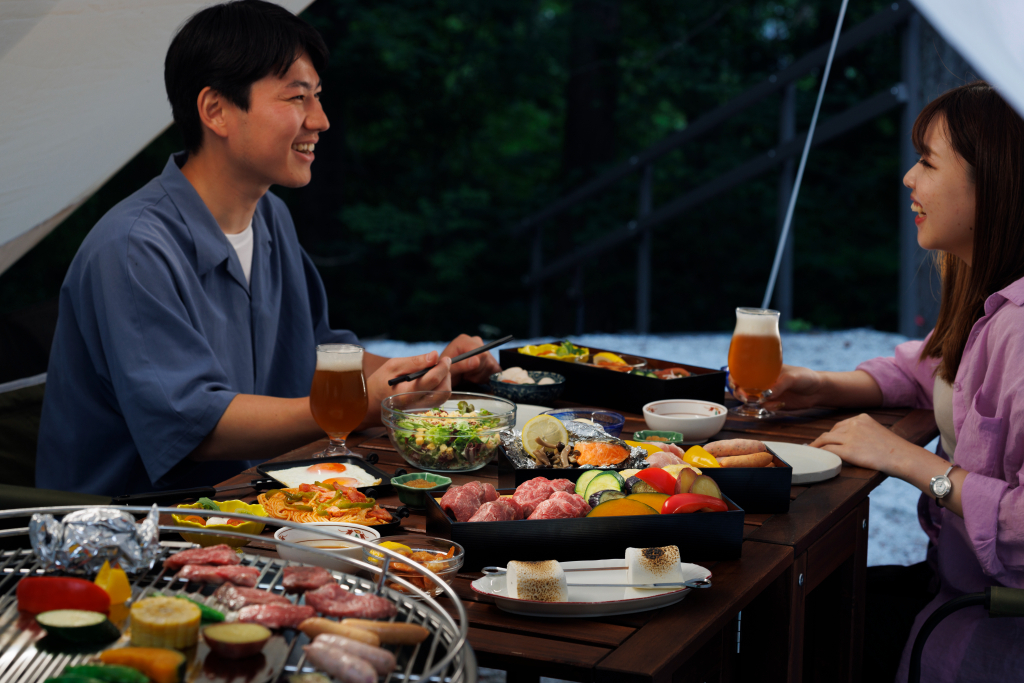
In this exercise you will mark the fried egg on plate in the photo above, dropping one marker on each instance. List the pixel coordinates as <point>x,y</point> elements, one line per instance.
<point>326,473</point>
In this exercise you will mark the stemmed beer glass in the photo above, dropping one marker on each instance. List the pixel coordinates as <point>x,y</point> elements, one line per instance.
<point>337,398</point>
<point>755,359</point>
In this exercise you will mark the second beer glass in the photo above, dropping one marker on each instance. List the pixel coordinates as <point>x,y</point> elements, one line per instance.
<point>337,398</point>
<point>755,359</point>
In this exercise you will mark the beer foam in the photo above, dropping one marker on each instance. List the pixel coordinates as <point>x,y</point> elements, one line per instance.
<point>340,362</point>
<point>757,322</point>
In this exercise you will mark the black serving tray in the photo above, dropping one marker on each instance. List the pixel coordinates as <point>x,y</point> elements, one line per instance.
<point>700,536</point>
<point>620,390</point>
<point>756,489</point>
<point>384,487</point>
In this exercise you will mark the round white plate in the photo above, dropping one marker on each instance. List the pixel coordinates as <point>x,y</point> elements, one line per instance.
<point>527,411</point>
<point>809,464</point>
<point>589,601</point>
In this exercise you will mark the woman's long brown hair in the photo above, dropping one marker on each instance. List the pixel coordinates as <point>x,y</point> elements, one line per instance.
<point>989,136</point>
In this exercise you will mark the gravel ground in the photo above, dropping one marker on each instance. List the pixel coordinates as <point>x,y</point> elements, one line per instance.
<point>894,536</point>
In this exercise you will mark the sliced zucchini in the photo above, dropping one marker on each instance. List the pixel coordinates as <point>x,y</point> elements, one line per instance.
<point>584,481</point>
<point>601,496</point>
<point>605,481</point>
<point>78,626</point>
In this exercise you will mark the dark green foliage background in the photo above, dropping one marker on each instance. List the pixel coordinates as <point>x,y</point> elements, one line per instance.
<point>448,118</point>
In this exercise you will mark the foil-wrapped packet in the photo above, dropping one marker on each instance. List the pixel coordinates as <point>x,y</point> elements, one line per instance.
<point>578,431</point>
<point>83,540</point>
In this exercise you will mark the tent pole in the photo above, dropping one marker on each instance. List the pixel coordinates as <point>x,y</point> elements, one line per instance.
<point>912,322</point>
<point>787,131</point>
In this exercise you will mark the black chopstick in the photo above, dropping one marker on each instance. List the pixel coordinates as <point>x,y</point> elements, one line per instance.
<point>480,349</point>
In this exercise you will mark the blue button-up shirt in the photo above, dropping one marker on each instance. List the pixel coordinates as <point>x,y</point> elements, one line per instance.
<point>158,331</point>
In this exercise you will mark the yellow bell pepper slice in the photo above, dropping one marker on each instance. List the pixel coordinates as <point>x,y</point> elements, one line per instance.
<point>700,458</point>
<point>115,582</point>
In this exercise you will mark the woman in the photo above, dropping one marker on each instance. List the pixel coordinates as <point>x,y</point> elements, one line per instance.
<point>968,191</point>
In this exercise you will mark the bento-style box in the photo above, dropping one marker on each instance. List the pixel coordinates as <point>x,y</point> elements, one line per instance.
<point>701,536</point>
<point>755,489</point>
<point>621,390</point>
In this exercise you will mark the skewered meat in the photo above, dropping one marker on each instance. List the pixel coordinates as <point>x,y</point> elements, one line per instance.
<point>334,601</point>
<point>215,554</point>
<point>202,573</point>
<point>237,597</point>
<point>301,579</point>
<point>276,615</point>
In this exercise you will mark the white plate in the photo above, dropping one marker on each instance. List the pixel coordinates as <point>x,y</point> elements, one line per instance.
<point>527,411</point>
<point>587,601</point>
<point>809,464</point>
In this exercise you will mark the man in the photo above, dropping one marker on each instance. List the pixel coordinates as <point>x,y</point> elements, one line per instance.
<point>185,344</point>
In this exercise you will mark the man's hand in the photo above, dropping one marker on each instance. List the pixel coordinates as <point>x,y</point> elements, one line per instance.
<point>477,369</point>
<point>377,389</point>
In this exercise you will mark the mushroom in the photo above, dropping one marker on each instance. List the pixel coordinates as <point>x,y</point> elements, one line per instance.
<point>563,456</point>
<point>545,444</point>
<point>541,457</point>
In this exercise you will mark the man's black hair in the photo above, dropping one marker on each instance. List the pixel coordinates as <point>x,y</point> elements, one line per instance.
<point>228,48</point>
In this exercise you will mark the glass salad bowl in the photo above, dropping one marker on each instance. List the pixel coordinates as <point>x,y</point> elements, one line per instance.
<point>444,431</point>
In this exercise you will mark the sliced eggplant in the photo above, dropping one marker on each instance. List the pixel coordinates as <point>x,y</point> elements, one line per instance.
<point>79,626</point>
<point>602,496</point>
<point>638,485</point>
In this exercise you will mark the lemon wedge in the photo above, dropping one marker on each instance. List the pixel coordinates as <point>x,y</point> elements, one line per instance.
<point>390,545</point>
<point>546,427</point>
<point>607,357</point>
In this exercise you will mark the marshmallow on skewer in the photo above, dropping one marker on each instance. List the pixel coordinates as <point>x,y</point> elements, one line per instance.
<point>652,565</point>
<point>542,581</point>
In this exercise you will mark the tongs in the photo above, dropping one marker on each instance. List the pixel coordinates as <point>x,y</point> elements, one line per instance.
<point>691,583</point>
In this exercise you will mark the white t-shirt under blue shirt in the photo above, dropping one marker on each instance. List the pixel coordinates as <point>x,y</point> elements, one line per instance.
<point>242,242</point>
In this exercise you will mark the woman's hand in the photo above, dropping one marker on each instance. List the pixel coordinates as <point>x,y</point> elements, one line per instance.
<point>795,388</point>
<point>799,387</point>
<point>863,442</point>
<point>377,389</point>
<point>478,368</point>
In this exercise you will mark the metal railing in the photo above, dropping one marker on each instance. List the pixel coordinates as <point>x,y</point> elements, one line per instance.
<point>647,217</point>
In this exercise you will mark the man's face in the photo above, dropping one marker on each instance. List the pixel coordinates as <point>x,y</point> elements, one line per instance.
<point>272,143</point>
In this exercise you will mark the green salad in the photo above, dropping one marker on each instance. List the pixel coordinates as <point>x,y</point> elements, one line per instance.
<point>442,439</point>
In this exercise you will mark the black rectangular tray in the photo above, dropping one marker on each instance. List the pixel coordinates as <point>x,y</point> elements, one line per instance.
<point>384,487</point>
<point>700,536</point>
<point>756,489</point>
<point>622,391</point>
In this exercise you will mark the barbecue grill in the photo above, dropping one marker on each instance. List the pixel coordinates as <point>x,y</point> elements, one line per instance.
<point>444,657</point>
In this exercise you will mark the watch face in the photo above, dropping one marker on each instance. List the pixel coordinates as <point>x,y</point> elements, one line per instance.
<point>941,486</point>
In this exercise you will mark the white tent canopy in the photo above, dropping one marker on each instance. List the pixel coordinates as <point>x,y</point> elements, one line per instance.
<point>83,92</point>
<point>82,84</point>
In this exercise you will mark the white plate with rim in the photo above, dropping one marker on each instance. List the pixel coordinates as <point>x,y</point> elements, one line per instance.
<point>589,601</point>
<point>810,465</point>
<point>526,412</point>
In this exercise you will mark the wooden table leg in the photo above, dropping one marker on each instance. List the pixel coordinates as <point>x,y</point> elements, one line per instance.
<point>772,630</point>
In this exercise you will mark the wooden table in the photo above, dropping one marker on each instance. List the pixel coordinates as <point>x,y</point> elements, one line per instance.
<point>799,585</point>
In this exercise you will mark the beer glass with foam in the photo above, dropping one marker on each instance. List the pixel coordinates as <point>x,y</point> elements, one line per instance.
<point>755,359</point>
<point>338,396</point>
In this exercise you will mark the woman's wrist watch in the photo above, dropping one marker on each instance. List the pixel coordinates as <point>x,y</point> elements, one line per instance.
<point>941,486</point>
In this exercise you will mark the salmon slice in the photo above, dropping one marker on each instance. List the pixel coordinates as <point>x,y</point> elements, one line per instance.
<point>598,454</point>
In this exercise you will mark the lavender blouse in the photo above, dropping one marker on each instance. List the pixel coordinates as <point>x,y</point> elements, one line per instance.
<point>986,546</point>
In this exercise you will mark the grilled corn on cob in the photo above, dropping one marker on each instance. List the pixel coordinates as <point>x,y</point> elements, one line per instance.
<point>165,622</point>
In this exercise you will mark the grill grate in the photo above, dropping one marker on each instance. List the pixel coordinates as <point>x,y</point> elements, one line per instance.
<point>25,657</point>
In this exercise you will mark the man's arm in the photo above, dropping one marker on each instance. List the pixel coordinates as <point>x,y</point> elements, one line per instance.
<point>259,427</point>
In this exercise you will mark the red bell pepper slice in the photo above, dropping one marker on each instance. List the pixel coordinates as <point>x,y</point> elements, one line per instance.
<point>45,593</point>
<point>691,502</point>
<point>659,479</point>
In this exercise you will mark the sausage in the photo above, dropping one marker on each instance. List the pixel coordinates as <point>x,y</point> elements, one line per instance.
<point>731,447</point>
<point>344,667</point>
<point>314,626</point>
<point>380,659</point>
<point>751,460</point>
<point>391,632</point>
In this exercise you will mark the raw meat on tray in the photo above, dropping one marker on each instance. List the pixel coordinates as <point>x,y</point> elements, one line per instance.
<point>215,554</point>
<point>202,573</point>
<point>537,498</point>
<point>465,500</point>
<point>561,505</point>
<point>237,597</point>
<point>301,579</point>
<point>334,601</point>
<point>276,615</point>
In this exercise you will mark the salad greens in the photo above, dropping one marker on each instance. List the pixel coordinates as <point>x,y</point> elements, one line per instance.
<point>435,440</point>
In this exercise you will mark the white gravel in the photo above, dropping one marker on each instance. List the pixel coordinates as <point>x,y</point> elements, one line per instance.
<point>895,537</point>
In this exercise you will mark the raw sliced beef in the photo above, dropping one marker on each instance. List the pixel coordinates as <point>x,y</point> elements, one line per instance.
<point>332,600</point>
<point>489,493</point>
<point>237,597</point>
<point>511,504</point>
<point>532,493</point>
<point>301,579</point>
<point>563,485</point>
<point>493,511</point>
<point>561,505</point>
<point>275,615</point>
<point>464,501</point>
<point>576,500</point>
<point>202,573</point>
<point>215,554</point>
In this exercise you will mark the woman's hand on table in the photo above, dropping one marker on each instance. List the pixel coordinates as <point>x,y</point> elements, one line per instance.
<point>377,389</point>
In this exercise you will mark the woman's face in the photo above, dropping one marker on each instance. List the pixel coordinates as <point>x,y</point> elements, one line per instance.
<point>942,194</point>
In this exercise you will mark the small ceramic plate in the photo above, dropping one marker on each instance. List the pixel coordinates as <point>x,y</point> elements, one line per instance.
<point>585,601</point>
<point>809,464</point>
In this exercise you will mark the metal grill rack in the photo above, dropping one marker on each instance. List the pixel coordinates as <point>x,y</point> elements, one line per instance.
<point>445,657</point>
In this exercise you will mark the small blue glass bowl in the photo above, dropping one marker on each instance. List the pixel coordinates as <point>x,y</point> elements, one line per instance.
<point>530,393</point>
<point>612,423</point>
